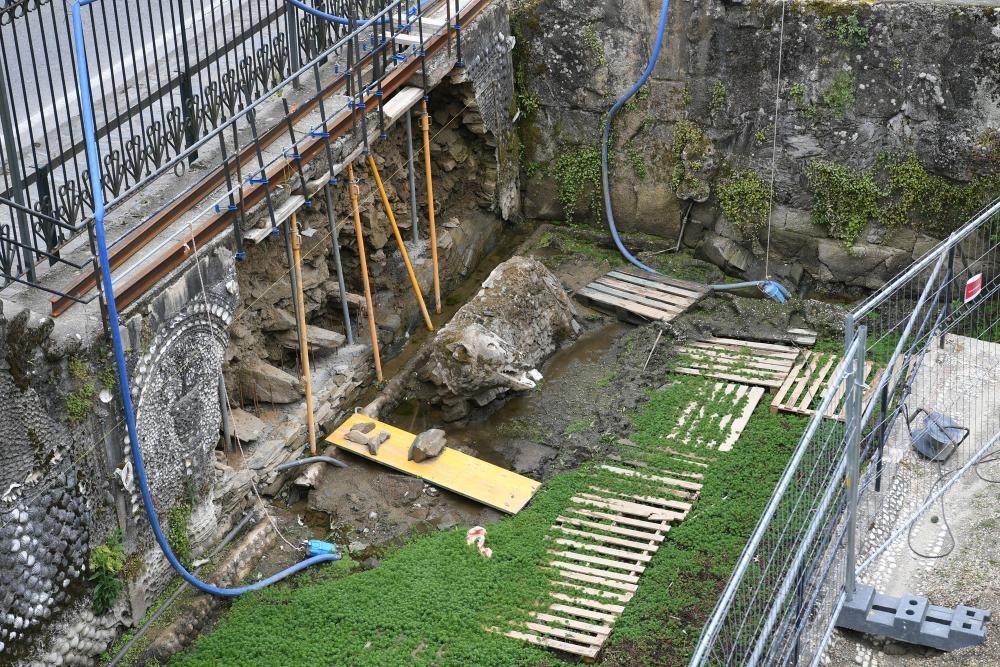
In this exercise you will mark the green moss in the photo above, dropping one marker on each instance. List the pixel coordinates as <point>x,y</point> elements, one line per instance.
<point>79,369</point>
<point>717,103</point>
<point>637,161</point>
<point>178,526</point>
<point>760,136</point>
<point>106,563</point>
<point>689,146</point>
<point>844,200</point>
<point>80,402</point>
<point>593,42</point>
<point>744,199</point>
<point>641,96</point>
<point>839,97</point>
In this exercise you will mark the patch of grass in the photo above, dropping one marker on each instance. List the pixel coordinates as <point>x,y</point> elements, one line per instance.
<point>521,429</point>
<point>605,380</point>
<point>106,563</point>
<point>578,426</point>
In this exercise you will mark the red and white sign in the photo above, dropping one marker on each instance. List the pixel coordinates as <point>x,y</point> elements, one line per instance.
<point>973,286</point>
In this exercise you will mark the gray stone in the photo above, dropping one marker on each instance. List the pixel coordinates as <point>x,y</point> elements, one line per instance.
<point>246,426</point>
<point>364,427</point>
<point>317,337</point>
<point>269,384</point>
<point>376,442</point>
<point>357,438</point>
<point>427,445</point>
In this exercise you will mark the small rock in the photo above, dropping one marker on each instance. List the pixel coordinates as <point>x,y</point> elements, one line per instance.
<point>431,491</point>
<point>358,438</point>
<point>247,427</point>
<point>373,515</point>
<point>376,442</point>
<point>369,563</point>
<point>427,445</point>
<point>364,427</point>
<point>357,546</point>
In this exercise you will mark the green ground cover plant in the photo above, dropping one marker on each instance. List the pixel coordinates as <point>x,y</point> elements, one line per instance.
<point>431,600</point>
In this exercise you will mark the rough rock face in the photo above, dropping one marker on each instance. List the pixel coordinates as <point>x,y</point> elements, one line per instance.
<point>857,82</point>
<point>520,317</point>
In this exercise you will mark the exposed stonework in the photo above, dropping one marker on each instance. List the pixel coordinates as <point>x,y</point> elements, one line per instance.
<point>921,80</point>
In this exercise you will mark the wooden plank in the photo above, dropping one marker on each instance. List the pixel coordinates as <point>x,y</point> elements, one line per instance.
<point>652,284</point>
<point>629,306</point>
<point>691,486</point>
<point>803,380</point>
<point>600,581</point>
<point>572,623</point>
<point>562,633</point>
<point>604,577</point>
<point>756,393</point>
<point>612,609</point>
<point>819,381</point>
<point>789,381</point>
<point>583,613</point>
<point>764,382</point>
<point>773,347</point>
<point>762,362</point>
<point>607,539</point>
<point>597,560</point>
<point>669,298</point>
<point>607,551</point>
<point>460,473</point>
<point>547,642</point>
<point>669,281</point>
<point>632,297</point>
<point>790,354</point>
<point>607,595</point>
<point>648,512</point>
<point>662,502</point>
<point>628,521</point>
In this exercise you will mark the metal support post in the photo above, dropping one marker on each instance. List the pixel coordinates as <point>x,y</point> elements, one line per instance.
<point>292,39</point>
<point>16,179</point>
<point>949,279</point>
<point>227,419</point>
<point>458,37</point>
<point>425,122</point>
<point>410,176</point>
<point>853,472</point>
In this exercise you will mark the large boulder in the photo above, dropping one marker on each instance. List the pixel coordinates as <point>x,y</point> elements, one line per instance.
<point>490,347</point>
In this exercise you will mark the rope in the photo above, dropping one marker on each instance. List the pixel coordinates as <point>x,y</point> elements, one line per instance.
<point>774,143</point>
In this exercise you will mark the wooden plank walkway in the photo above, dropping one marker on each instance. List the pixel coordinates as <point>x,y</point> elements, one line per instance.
<point>636,296</point>
<point>465,475</point>
<point>803,390</point>
<point>599,548</point>
<point>734,360</point>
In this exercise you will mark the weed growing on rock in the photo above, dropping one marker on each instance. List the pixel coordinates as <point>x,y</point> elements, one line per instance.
<point>178,522</point>
<point>106,563</point>
<point>760,136</point>
<point>744,199</point>
<point>79,369</point>
<point>637,161</point>
<point>717,104</point>
<point>80,402</point>
<point>839,97</point>
<point>577,171</point>
<point>797,93</point>
<point>594,43</point>
<point>847,30</point>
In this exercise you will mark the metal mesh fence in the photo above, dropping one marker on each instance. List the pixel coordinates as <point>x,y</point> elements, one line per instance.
<point>920,350</point>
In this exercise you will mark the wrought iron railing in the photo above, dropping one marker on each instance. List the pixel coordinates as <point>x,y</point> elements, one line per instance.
<point>164,74</point>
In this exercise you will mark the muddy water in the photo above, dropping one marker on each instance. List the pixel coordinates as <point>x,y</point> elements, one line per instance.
<point>541,417</point>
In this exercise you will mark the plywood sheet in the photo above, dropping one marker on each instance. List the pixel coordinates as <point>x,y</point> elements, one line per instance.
<point>460,473</point>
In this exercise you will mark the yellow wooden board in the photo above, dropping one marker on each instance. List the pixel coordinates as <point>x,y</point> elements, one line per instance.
<point>463,474</point>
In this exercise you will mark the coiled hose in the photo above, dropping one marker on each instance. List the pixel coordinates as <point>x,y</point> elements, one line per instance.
<point>93,168</point>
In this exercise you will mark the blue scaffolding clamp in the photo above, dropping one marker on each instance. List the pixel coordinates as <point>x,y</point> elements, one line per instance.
<point>319,134</point>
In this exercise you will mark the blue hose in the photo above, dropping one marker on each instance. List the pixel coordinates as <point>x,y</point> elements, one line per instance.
<point>606,139</point>
<point>89,135</point>
<point>770,288</point>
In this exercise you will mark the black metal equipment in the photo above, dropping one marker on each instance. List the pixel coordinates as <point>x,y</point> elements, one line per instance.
<point>937,436</point>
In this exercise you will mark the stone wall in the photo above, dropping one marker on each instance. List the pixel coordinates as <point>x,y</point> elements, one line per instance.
<point>859,81</point>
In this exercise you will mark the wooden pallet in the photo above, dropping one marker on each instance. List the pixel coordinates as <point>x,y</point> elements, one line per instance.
<point>803,390</point>
<point>636,296</point>
<point>599,548</point>
<point>735,360</point>
<point>727,424</point>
